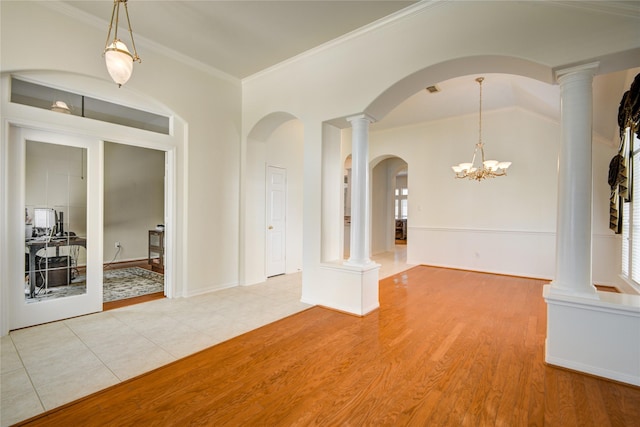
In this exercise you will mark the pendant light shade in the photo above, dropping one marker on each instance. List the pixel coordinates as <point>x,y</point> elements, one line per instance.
<point>118,58</point>
<point>119,62</point>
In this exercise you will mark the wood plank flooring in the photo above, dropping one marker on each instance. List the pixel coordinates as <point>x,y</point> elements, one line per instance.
<point>446,348</point>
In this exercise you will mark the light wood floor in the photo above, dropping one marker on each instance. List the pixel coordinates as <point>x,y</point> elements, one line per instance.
<point>446,348</point>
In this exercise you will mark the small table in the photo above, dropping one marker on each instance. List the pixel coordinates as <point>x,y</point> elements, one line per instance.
<point>156,250</point>
<point>34,245</point>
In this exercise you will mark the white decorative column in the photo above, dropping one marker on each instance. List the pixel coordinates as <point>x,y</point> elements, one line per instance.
<point>573,238</point>
<point>587,331</point>
<point>360,211</point>
<point>352,286</point>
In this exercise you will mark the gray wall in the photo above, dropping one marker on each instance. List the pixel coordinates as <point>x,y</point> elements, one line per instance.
<point>133,199</point>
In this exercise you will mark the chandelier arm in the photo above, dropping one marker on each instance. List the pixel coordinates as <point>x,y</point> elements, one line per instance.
<point>133,43</point>
<point>473,159</point>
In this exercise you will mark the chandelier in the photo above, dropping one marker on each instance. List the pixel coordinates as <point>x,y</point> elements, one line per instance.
<point>116,54</point>
<point>487,168</point>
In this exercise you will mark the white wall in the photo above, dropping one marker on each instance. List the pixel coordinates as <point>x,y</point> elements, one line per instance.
<point>506,225</point>
<point>133,199</point>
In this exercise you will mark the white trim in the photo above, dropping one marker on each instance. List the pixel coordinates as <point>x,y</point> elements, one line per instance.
<point>617,8</point>
<point>590,369</point>
<point>483,230</point>
<point>210,289</point>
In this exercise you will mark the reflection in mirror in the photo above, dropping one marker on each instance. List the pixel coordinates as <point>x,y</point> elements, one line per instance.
<point>55,221</point>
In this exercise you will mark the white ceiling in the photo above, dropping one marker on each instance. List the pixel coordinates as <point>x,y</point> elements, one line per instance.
<point>241,38</point>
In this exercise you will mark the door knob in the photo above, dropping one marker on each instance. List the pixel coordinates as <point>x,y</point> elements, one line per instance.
<point>271,227</point>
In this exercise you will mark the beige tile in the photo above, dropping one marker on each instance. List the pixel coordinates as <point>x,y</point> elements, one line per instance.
<point>201,319</point>
<point>128,359</point>
<point>19,400</point>
<point>62,379</point>
<point>67,388</point>
<point>92,323</point>
<point>180,341</point>
<point>112,346</point>
<point>40,341</point>
<point>9,358</point>
<point>60,367</point>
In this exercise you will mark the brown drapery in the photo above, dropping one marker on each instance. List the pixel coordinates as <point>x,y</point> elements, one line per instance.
<point>620,168</point>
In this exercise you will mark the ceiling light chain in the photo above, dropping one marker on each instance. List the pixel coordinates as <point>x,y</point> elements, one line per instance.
<point>488,168</point>
<point>118,59</point>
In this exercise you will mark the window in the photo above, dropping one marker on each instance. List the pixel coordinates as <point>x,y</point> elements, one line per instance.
<point>402,208</point>
<point>35,95</point>
<point>631,219</point>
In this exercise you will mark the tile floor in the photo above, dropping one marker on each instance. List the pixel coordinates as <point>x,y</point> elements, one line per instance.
<point>109,347</point>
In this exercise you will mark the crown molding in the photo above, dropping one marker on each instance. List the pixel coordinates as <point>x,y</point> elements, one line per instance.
<point>618,8</point>
<point>382,22</point>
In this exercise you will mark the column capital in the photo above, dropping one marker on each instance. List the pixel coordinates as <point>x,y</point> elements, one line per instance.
<point>563,72</point>
<point>361,116</point>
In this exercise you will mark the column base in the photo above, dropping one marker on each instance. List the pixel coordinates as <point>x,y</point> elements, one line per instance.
<point>352,289</point>
<point>597,336</point>
<point>556,288</point>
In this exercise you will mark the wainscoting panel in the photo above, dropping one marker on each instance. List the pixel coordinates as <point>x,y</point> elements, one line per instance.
<point>519,253</point>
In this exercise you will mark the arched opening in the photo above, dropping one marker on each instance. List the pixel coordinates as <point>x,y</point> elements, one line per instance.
<point>273,198</point>
<point>389,205</point>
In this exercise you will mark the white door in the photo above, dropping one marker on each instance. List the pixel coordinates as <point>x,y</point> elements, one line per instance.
<point>276,220</point>
<point>58,274</point>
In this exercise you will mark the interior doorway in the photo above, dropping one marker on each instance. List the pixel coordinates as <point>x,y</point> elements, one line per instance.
<point>133,226</point>
<point>401,206</point>
<point>389,205</point>
<point>276,208</point>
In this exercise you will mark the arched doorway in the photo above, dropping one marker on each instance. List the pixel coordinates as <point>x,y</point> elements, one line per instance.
<point>272,226</point>
<point>389,204</point>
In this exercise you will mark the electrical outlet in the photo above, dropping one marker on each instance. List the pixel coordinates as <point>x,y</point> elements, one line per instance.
<point>117,245</point>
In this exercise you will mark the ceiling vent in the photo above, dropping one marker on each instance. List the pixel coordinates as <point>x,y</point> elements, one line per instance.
<point>433,89</point>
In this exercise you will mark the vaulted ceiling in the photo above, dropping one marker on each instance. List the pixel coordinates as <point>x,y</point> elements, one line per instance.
<point>241,38</point>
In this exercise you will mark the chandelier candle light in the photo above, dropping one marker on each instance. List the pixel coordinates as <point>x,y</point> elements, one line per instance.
<point>488,168</point>
<point>116,54</point>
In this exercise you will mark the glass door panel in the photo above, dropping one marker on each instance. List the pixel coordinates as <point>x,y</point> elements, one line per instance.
<point>55,221</point>
<point>54,240</point>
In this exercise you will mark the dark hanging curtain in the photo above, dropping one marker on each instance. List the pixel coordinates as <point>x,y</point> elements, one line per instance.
<point>620,167</point>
